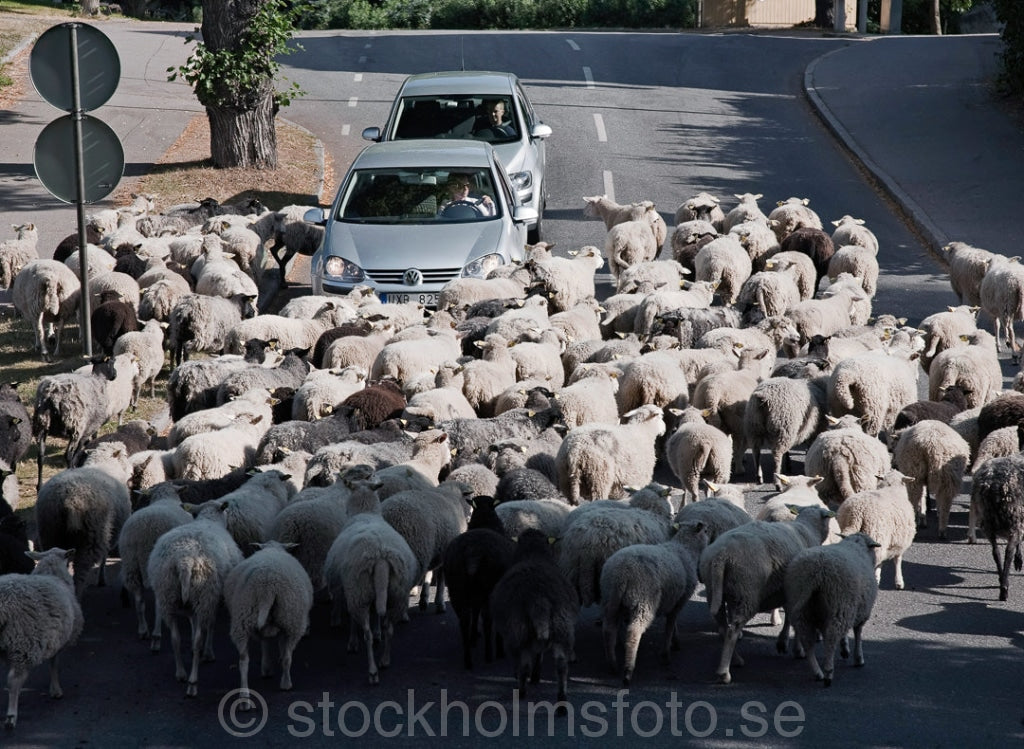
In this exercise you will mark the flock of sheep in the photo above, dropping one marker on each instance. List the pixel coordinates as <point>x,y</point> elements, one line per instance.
<point>504,445</point>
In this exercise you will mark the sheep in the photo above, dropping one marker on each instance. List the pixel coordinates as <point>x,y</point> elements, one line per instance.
<point>814,243</point>
<point>241,242</point>
<point>473,563</point>
<point>135,542</point>
<point>1006,409</point>
<point>851,231</point>
<point>800,265</point>
<point>111,319</point>
<point>886,515</point>
<point>697,295</point>
<point>768,293</point>
<point>746,210</point>
<point>829,590</point>
<point>546,515</point>
<point>874,385</point>
<point>13,540</point>
<point>15,426</point>
<point>849,460</point>
<point>324,390</point>
<point>215,454</point>
<point>943,330</point>
<point>83,509</point>
<point>724,262</point>
<point>743,571</point>
<point>783,412</point>
<point>371,568</point>
<point>46,293</point>
<point>579,323</point>
<point>462,292</point>
<point>967,268</point>
<point>379,401</point>
<point>288,374</point>
<point>134,436</point>
<point>701,207</point>
<point>126,287</point>
<point>252,507</point>
<point>430,455</point>
<point>269,595</point>
<point>16,253</point>
<point>567,281</point>
<point>290,333</point>
<point>470,438</point>
<point>935,457</point>
<point>40,618</point>
<point>146,346</point>
<point>792,214</point>
<point>995,502</point>
<point>187,569</point>
<point>757,239</point>
<point>476,478</point>
<point>293,235</point>
<point>627,244</point>
<point>203,323</point>
<point>600,460</point>
<point>716,514</point>
<point>687,240</point>
<point>697,450</point>
<point>645,581</point>
<point>613,214</point>
<point>974,368</point>
<point>1002,297</point>
<point>535,610</point>
<point>404,360</point>
<point>158,299</point>
<point>857,261</point>
<point>827,315</point>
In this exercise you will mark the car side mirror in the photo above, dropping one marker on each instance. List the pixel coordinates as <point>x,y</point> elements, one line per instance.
<point>539,130</point>
<point>373,134</point>
<point>315,216</point>
<point>523,214</point>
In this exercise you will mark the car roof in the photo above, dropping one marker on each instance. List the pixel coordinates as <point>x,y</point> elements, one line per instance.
<point>459,82</point>
<point>424,153</point>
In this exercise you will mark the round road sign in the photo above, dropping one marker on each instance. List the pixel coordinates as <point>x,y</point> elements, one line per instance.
<point>102,159</point>
<point>99,67</point>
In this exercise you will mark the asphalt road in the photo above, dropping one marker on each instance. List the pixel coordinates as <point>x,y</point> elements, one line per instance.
<point>678,114</point>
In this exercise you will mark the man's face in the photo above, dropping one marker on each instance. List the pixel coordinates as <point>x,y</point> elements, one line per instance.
<point>497,113</point>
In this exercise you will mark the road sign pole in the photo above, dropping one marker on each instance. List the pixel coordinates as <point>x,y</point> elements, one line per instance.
<point>83,243</point>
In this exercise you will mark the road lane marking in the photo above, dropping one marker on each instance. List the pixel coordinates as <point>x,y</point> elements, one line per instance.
<point>345,130</point>
<point>589,76</point>
<point>362,59</point>
<point>609,185</point>
<point>357,77</point>
<point>572,45</point>
<point>353,101</point>
<point>602,136</point>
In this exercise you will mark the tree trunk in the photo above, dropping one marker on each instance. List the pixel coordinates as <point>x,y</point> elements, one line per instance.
<point>242,119</point>
<point>90,7</point>
<point>823,17</point>
<point>936,18</point>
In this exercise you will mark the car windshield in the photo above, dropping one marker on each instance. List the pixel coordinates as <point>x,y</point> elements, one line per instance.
<point>492,119</point>
<point>420,196</point>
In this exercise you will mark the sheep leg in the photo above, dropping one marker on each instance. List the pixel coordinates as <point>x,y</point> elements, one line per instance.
<point>266,660</point>
<point>364,627</point>
<point>439,590</point>
<point>671,636</point>
<point>972,518</point>
<point>782,642</point>
<point>154,637</point>
<point>354,630</point>
<point>535,669</point>
<point>523,671</point>
<point>40,456</point>
<point>387,631</point>
<point>485,614</point>
<point>1004,574</point>
<point>55,690</point>
<point>140,614</point>
<point>918,500</point>
<point>812,659</point>
<point>610,630</point>
<point>424,591</point>
<point>858,645</point>
<point>562,671</point>
<point>943,505</point>
<point>101,580</point>
<point>245,702</point>
<point>198,637</point>
<point>179,664</point>
<point>15,679</point>
<point>730,636</point>
<point>208,656</point>
<point>286,644</point>
<point>466,627</point>
<point>898,561</point>
<point>830,642</point>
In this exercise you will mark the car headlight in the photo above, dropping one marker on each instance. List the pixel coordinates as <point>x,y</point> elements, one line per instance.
<point>341,268</point>
<point>521,180</point>
<point>480,267</point>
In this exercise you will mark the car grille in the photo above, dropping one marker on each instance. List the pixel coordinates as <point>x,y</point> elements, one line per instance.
<point>430,276</point>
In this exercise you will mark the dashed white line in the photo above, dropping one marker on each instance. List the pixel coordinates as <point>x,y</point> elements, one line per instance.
<point>367,45</point>
<point>589,76</point>
<point>357,77</point>
<point>362,59</point>
<point>353,101</point>
<point>345,130</point>
<point>602,136</point>
<point>609,185</point>
<point>572,45</point>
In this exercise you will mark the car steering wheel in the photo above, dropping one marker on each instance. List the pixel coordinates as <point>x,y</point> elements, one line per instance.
<point>457,208</point>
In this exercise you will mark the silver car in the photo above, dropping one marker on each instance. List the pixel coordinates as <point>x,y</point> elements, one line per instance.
<point>412,215</point>
<point>481,105</point>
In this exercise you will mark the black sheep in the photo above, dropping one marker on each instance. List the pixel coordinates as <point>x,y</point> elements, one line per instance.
<point>13,545</point>
<point>379,401</point>
<point>360,329</point>
<point>814,243</point>
<point>1006,409</point>
<point>15,426</point>
<point>953,402</point>
<point>111,319</point>
<point>70,244</point>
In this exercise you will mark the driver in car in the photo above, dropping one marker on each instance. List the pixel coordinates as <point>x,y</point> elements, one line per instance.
<point>458,188</point>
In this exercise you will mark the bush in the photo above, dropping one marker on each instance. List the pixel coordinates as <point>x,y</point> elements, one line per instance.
<point>1011,13</point>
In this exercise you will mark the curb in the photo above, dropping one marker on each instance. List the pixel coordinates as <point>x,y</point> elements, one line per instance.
<point>13,54</point>
<point>917,217</point>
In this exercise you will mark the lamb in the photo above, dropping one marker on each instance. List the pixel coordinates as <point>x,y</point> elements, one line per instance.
<point>857,261</point>
<point>783,412</point>
<point>884,514</point>
<point>269,595</point>
<point>746,210</point>
<point>850,230</point>
<point>596,461</point>
<point>16,253</point>
<point>967,268</point>
<point>473,563</point>
<point>187,569</point>
<point>874,385</point>
<point>1002,297</point>
<point>135,542</point>
<point>203,323</point>
<point>701,207</point>
<point>475,478</point>
<point>40,618</point>
<point>146,346</point>
<point>696,450</point>
<point>935,457</point>
<point>723,262</point>
<point>996,493</point>
<point>849,460</point>
<point>974,368</point>
<point>645,581</point>
<point>829,590</point>
<point>743,571</point>
<point>46,293</point>
<point>627,244</point>
<point>371,567</point>
<point>535,609</point>
<point>290,333</point>
<point>83,509</point>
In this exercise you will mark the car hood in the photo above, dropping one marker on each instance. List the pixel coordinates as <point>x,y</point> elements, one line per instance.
<point>512,155</point>
<point>401,246</point>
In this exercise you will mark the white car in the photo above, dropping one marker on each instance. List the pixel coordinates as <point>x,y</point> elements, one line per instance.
<point>410,216</point>
<point>480,105</point>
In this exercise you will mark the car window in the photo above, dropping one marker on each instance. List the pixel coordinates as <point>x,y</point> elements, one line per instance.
<point>411,196</point>
<point>457,117</point>
<point>527,108</point>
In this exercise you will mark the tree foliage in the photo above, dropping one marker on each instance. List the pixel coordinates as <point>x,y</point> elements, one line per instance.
<point>1011,13</point>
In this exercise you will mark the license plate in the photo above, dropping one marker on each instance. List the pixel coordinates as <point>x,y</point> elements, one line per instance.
<point>427,298</point>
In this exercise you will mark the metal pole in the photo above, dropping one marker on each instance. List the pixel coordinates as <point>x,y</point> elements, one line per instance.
<point>83,244</point>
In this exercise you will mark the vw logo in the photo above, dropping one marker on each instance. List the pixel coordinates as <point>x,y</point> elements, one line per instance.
<point>412,277</point>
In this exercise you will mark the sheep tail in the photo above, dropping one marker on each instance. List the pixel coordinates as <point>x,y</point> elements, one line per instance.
<point>263,614</point>
<point>716,582</point>
<point>540,618</point>
<point>380,586</point>
<point>184,578</point>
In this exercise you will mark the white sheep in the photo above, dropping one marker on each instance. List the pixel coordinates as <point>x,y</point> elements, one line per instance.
<point>656,378</point>
<point>202,323</point>
<point>323,390</point>
<point>974,368</point>
<point>1002,297</point>
<point>697,295</point>
<point>252,507</point>
<point>645,581</point>
<point>546,515</point>
<point>718,512</point>
<point>598,460</point>
<point>40,617</point>
<point>404,360</point>
<point>147,346</point>
<point>875,386</point>
<point>701,207</point>
<point>849,460</point>
<point>836,310</point>
<point>613,214</point>
<point>696,450</point>
<point>792,214</point>
<point>830,590</point>
<point>935,457</point>
<point>943,330</point>
<point>567,281</point>
<point>857,261</point>
<point>579,323</point>
<point>742,571</point>
<point>800,265</point>
<point>783,412</point>
<point>268,596</point>
<point>627,244</point>
<point>850,230</point>
<point>462,292</point>
<point>757,239</point>
<point>214,454</point>
<point>46,293</point>
<point>724,262</point>
<point>967,268</point>
<point>16,253</point>
<point>885,514</point>
<point>290,333</point>
<point>187,569</point>
<point>746,210</point>
<point>485,379</point>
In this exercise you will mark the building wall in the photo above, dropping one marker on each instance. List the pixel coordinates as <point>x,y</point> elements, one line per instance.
<point>717,13</point>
